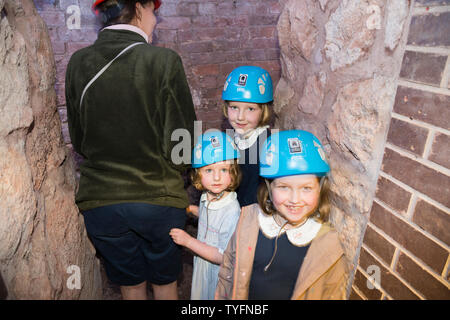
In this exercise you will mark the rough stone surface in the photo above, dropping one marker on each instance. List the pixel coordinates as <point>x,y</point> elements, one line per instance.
<point>350,31</point>
<point>313,94</point>
<point>397,11</point>
<point>359,120</point>
<point>296,28</point>
<point>41,231</point>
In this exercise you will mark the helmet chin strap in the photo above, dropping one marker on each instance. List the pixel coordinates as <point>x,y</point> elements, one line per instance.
<point>217,197</point>
<point>283,221</point>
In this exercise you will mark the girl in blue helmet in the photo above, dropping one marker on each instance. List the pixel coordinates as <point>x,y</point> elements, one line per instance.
<point>216,173</point>
<point>248,96</point>
<point>283,247</point>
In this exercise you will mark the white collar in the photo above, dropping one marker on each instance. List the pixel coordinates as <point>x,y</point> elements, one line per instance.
<point>247,142</point>
<point>128,27</point>
<point>299,236</point>
<point>215,205</point>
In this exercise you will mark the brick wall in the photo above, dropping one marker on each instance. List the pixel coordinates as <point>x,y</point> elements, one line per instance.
<point>211,36</point>
<point>406,244</point>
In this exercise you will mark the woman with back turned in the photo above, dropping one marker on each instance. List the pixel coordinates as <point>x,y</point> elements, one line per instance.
<point>124,98</point>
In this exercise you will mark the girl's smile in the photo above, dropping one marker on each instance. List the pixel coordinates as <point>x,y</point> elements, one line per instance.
<point>296,197</point>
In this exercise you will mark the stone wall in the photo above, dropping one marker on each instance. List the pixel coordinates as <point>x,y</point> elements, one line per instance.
<point>44,249</point>
<point>340,63</point>
<point>211,36</point>
<point>405,250</point>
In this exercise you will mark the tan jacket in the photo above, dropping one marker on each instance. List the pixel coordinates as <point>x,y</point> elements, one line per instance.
<point>322,276</point>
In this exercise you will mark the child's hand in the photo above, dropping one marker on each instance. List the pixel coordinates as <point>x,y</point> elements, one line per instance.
<point>180,237</point>
<point>192,209</point>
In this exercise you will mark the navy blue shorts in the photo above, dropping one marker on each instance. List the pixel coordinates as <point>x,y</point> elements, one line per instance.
<point>133,239</point>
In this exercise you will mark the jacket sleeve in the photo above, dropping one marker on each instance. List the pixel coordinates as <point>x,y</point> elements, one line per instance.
<point>176,112</point>
<point>224,290</point>
<point>73,113</point>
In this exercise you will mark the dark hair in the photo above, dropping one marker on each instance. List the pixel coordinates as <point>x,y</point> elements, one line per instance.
<point>235,173</point>
<point>322,212</point>
<point>119,11</point>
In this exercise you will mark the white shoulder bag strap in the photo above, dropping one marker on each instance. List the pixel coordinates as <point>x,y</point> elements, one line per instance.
<point>106,67</point>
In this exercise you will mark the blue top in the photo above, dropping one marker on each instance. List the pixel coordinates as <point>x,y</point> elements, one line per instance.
<point>249,164</point>
<point>278,282</point>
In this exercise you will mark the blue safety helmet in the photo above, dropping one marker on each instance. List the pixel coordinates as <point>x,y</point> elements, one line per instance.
<point>292,152</point>
<point>212,147</point>
<point>248,84</point>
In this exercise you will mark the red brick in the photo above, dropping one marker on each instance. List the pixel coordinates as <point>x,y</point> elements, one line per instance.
<point>424,179</point>
<point>424,106</point>
<point>412,240</point>
<point>360,282</point>
<point>75,46</point>
<point>354,296</point>
<point>262,43</point>
<point>423,67</point>
<point>209,33</point>
<point>420,279</point>
<point>272,54</point>
<point>187,9</point>
<point>53,18</point>
<point>394,196</point>
<point>430,30</point>
<point>440,151</point>
<point>186,35</point>
<point>407,136</point>
<point>167,10</point>
<point>208,58</point>
<point>207,69</point>
<point>59,47</point>
<point>209,82</point>
<point>174,23</point>
<point>432,220</point>
<point>379,245</point>
<point>196,47</point>
<point>213,93</point>
<point>87,34</point>
<point>203,22</point>
<point>207,8</point>
<point>262,20</point>
<point>255,55</point>
<point>234,21</point>
<point>430,3</point>
<point>388,282</point>
<point>165,36</point>
<point>221,45</point>
<point>60,94</point>
<point>262,32</point>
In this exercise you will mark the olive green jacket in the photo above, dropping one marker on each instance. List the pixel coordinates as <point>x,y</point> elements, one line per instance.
<point>322,276</point>
<point>124,126</point>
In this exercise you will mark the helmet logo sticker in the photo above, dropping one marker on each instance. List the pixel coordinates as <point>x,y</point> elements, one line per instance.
<point>198,151</point>
<point>269,155</point>
<point>262,85</point>
<point>321,152</point>
<point>226,84</point>
<point>215,143</point>
<point>295,145</point>
<point>242,81</point>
